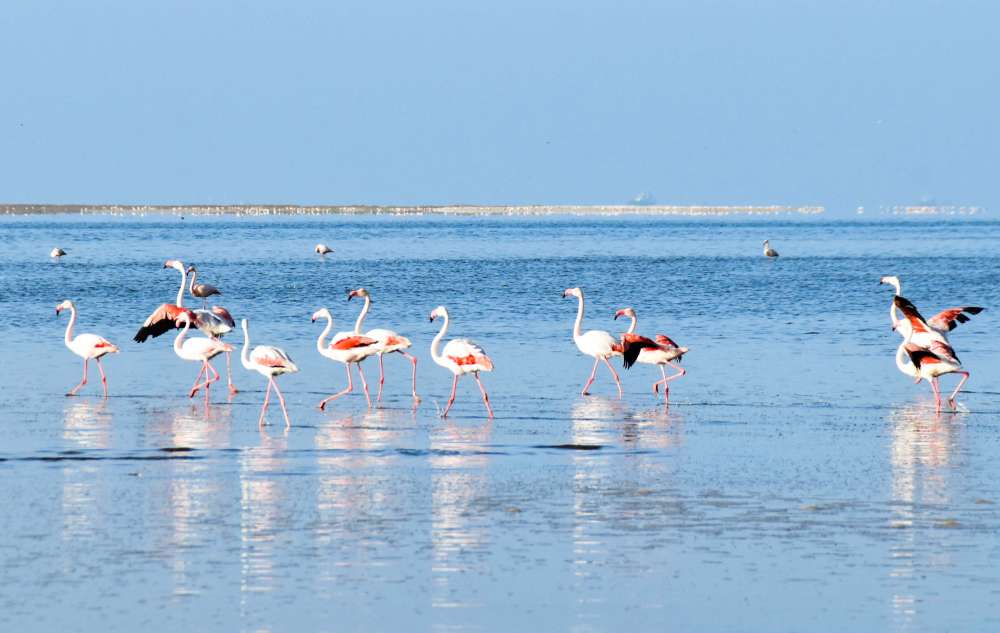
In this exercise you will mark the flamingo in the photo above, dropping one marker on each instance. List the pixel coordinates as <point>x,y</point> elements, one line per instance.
<point>460,356</point>
<point>768,251</point>
<point>164,318</point>
<point>201,349</point>
<point>347,348</point>
<point>597,343</point>
<point>323,249</point>
<point>216,323</point>
<point>202,291</point>
<point>56,253</point>
<point>662,351</point>
<point>941,323</point>
<point>388,342</point>
<point>86,346</point>
<point>927,364</point>
<point>269,362</point>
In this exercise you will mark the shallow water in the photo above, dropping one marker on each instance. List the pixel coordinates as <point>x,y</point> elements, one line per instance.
<point>797,482</point>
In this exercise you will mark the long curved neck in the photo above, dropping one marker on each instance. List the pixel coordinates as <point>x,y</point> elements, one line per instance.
<point>903,361</point>
<point>435,355</point>
<point>179,341</point>
<point>631,328</point>
<point>194,276</point>
<point>180,291</point>
<point>579,317</point>
<point>69,326</point>
<point>892,305</point>
<point>329,326</point>
<point>361,317</point>
<point>245,353</point>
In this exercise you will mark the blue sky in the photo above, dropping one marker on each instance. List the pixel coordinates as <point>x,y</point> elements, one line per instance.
<point>550,101</point>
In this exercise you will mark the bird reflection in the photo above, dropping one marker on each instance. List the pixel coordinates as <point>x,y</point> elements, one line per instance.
<point>87,424</point>
<point>191,427</point>
<point>261,516</point>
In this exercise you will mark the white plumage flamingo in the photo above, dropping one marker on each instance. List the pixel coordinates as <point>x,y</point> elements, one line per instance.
<point>941,323</point>
<point>86,346</point>
<point>269,362</point>
<point>460,356</point>
<point>347,348</point>
<point>200,350</point>
<point>387,342</point>
<point>927,363</point>
<point>597,343</point>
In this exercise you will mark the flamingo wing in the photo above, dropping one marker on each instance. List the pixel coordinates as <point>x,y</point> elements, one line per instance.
<point>465,353</point>
<point>161,321</point>
<point>212,322</point>
<point>632,345</point>
<point>948,320</point>
<point>205,290</point>
<point>352,342</point>
<point>666,341</point>
<point>911,314</point>
<point>268,356</point>
<point>223,314</point>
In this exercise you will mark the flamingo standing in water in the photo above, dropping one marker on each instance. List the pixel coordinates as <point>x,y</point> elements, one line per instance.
<point>347,348</point>
<point>597,343</point>
<point>927,363</point>
<point>662,351</point>
<point>387,341</point>
<point>201,291</point>
<point>199,349</point>
<point>216,323</point>
<point>460,356</point>
<point>941,323</point>
<point>164,318</point>
<point>86,346</point>
<point>269,362</point>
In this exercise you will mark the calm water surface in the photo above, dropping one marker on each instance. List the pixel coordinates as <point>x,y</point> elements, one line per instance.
<point>798,482</point>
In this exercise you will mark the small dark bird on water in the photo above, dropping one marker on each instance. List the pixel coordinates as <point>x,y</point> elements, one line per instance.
<point>202,291</point>
<point>323,249</point>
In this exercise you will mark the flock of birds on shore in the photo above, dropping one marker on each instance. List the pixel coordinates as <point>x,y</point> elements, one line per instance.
<point>925,353</point>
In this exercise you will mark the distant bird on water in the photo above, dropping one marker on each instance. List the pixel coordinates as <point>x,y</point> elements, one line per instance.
<point>768,251</point>
<point>86,346</point>
<point>57,253</point>
<point>323,249</point>
<point>201,291</point>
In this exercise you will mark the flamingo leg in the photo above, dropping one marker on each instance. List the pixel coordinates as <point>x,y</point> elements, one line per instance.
<point>104,379</point>
<point>615,374</point>
<point>666,379</point>
<point>381,377</point>
<point>937,394</point>
<point>413,361</point>
<point>267,397</point>
<point>451,400</point>
<point>281,401</point>
<point>72,392</point>
<point>482,390</point>
<point>951,398</point>
<point>364,384</point>
<point>210,379</point>
<point>350,387</point>
<point>229,374</point>
<point>195,387</point>
<point>590,381</point>
<point>666,387</point>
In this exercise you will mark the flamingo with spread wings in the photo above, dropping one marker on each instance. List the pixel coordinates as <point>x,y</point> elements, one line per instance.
<point>927,362</point>
<point>662,351</point>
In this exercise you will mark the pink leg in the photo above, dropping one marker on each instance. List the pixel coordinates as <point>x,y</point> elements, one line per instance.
<point>951,398</point>
<point>195,387</point>
<point>617,381</point>
<point>229,374</point>
<point>350,387</point>
<point>482,390</point>
<point>590,381</point>
<point>72,392</point>
<point>666,379</point>
<point>281,401</point>
<point>451,400</point>
<point>381,377</point>
<point>209,380</point>
<point>364,385</point>
<point>413,360</point>
<point>937,394</point>
<point>267,397</point>
<point>104,379</point>
<point>666,387</point>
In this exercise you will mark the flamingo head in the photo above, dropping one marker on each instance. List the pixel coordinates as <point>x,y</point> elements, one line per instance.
<point>175,264</point>
<point>766,242</point>
<point>192,269</point>
<point>572,292</point>
<point>892,280</point>
<point>65,305</point>
<point>321,313</point>
<point>439,311</point>
<point>360,292</point>
<point>625,312</point>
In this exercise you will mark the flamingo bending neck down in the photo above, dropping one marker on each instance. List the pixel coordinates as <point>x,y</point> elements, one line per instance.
<point>387,343</point>
<point>201,291</point>
<point>201,349</point>
<point>86,346</point>
<point>940,324</point>
<point>927,363</point>
<point>460,356</point>
<point>269,362</point>
<point>347,348</point>
<point>597,343</point>
<point>663,351</point>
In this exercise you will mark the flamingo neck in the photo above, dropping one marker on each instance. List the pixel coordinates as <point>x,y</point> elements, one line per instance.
<point>245,353</point>
<point>435,354</point>
<point>320,347</point>
<point>903,362</point>
<point>194,276</point>
<point>579,317</point>
<point>179,341</point>
<point>180,291</point>
<point>69,326</point>
<point>631,328</point>
<point>361,317</point>
<point>892,304</point>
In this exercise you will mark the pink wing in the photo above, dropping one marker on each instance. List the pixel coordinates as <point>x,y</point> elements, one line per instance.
<point>351,342</point>
<point>947,320</point>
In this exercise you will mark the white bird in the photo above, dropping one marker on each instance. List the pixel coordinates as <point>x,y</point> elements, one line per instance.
<point>597,343</point>
<point>199,349</point>
<point>57,253</point>
<point>927,363</point>
<point>347,348</point>
<point>323,249</point>
<point>86,346</point>
<point>768,251</point>
<point>388,342</point>
<point>940,324</point>
<point>460,356</point>
<point>269,362</point>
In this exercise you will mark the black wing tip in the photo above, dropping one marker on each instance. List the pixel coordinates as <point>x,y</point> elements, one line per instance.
<point>973,309</point>
<point>630,354</point>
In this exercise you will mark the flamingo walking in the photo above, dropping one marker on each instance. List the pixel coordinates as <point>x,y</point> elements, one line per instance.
<point>460,356</point>
<point>662,351</point>
<point>216,323</point>
<point>347,348</point>
<point>201,349</point>
<point>941,323</point>
<point>201,291</point>
<point>388,342</point>
<point>768,251</point>
<point>927,363</point>
<point>86,346</point>
<point>597,343</point>
<point>269,362</point>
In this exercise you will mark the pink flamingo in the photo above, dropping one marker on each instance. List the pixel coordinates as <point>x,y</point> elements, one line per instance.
<point>938,325</point>
<point>164,318</point>
<point>86,346</point>
<point>269,362</point>
<point>347,348</point>
<point>597,343</point>
<point>927,363</point>
<point>387,342</point>
<point>663,351</point>
<point>199,349</point>
<point>460,356</point>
